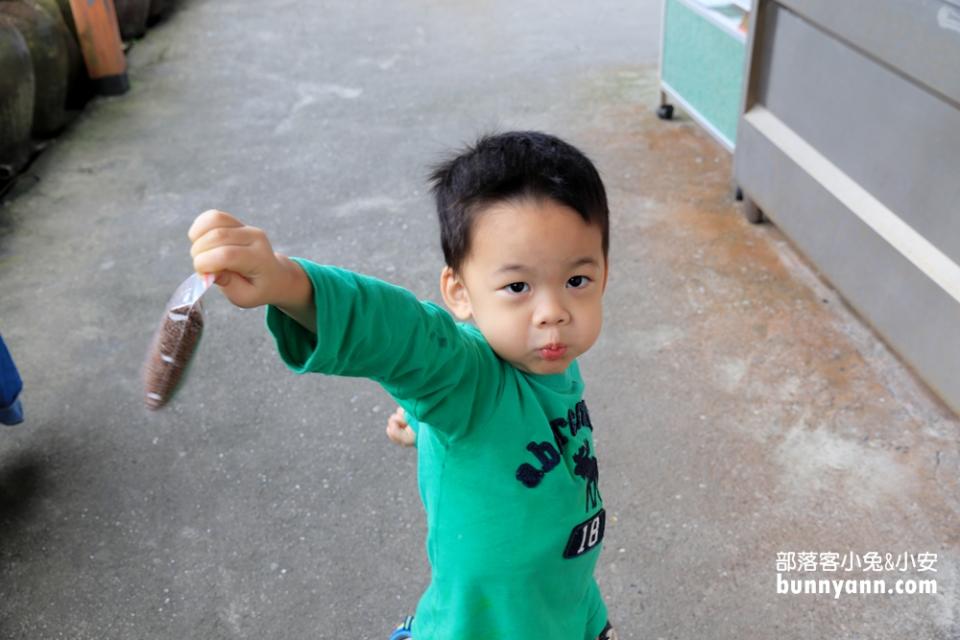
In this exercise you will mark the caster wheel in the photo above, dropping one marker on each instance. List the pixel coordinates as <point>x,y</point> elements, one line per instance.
<point>665,112</point>
<point>751,212</point>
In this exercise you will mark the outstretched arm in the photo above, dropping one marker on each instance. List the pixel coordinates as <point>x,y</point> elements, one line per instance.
<point>439,372</point>
<point>330,320</point>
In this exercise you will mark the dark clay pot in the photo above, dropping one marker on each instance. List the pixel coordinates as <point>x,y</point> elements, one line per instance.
<point>159,9</point>
<point>67,12</point>
<point>16,99</point>
<point>79,86</point>
<point>48,52</point>
<point>132,16</point>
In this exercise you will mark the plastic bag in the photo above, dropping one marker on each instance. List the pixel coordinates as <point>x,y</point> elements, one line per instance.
<point>175,341</point>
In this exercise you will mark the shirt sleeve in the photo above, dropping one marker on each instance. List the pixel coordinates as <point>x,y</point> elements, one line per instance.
<point>439,372</point>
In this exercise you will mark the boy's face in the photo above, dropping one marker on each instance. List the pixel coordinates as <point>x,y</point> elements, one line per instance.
<point>533,283</point>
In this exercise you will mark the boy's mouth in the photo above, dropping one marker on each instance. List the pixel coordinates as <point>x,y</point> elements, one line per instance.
<point>553,351</point>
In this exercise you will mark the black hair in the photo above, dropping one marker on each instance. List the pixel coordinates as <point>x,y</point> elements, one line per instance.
<point>508,166</point>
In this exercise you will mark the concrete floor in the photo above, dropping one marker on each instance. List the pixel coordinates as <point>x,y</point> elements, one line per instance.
<point>741,409</point>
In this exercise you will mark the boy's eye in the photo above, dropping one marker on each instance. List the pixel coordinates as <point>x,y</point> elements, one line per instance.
<point>578,282</point>
<point>517,287</point>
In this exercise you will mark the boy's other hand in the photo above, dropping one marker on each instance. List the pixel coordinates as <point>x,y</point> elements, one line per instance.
<point>249,273</point>
<point>399,431</point>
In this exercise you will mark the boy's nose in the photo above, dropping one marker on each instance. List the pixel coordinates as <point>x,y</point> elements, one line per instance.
<point>549,312</point>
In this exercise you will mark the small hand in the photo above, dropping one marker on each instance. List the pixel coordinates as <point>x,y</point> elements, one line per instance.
<point>248,271</point>
<point>399,431</point>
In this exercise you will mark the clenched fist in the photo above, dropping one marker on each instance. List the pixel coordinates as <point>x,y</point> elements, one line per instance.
<point>249,272</point>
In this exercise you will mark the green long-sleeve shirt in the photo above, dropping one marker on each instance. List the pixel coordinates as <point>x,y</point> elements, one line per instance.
<point>506,467</point>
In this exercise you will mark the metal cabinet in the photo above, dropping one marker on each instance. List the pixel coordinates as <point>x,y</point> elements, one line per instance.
<point>849,140</point>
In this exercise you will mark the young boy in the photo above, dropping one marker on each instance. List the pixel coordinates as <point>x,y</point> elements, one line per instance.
<point>506,466</point>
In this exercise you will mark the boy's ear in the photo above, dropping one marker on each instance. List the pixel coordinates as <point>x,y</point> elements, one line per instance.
<point>455,294</point>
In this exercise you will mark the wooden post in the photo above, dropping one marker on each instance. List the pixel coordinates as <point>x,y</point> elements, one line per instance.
<point>99,36</point>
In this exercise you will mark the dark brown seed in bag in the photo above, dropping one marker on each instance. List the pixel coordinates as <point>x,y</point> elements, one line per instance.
<point>170,353</point>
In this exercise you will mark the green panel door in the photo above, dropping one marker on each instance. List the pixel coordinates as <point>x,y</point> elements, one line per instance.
<point>703,64</point>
